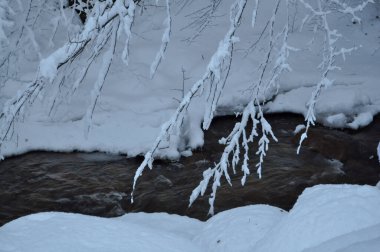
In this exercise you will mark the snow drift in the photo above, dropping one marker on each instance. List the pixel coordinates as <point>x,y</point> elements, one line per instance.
<point>325,218</point>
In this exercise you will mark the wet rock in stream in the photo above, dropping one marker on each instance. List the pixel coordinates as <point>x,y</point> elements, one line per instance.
<point>100,184</point>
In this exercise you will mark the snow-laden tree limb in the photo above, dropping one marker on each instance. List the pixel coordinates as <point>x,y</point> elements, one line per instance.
<point>252,112</point>
<point>107,61</point>
<point>330,52</point>
<point>212,72</point>
<point>127,24</point>
<point>220,64</point>
<point>164,41</point>
<point>98,29</point>
<point>254,13</point>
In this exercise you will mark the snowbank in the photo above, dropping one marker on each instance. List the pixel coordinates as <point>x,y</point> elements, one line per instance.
<point>325,218</point>
<point>322,213</point>
<point>74,232</point>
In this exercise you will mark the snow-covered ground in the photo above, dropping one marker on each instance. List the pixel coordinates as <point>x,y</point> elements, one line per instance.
<point>132,106</point>
<point>325,218</point>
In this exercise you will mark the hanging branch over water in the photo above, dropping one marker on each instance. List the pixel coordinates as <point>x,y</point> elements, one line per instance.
<point>252,112</point>
<point>330,52</point>
<point>213,74</point>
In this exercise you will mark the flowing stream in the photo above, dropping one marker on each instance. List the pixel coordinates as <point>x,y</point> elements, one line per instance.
<point>100,184</point>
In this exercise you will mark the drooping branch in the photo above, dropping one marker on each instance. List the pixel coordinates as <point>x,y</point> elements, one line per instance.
<point>232,143</point>
<point>331,37</point>
<point>220,65</point>
<point>127,24</point>
<point>101,19</point>
<point>213,71</point>
<point>252,112</point>
<point>254,13</point>
<point>164,41</point>
<point>107,61</point>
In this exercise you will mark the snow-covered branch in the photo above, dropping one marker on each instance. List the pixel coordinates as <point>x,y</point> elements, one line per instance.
<point>252,112</point>
<point>102,25</point>
<point>330,52</point>
<point>107,61</point>
<point>254,13</point>
<point>232,143</point>
<point>213,73</point>
<point>164,41</point>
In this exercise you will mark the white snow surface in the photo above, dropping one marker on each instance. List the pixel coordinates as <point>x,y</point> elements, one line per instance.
<point>325,218</point>
<point>132,106</point>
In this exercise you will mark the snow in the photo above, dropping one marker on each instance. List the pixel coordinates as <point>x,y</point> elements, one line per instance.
<point>298,129</point>
<point>338,106</point>
<point>322,213</point>
<point>366,239</point>
<point>74,232</point>
<point>132,107</point>
<point>324,218</point>
<point>238,229</point>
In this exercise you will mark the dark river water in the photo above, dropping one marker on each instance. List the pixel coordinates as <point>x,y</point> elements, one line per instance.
<point>100,184</point>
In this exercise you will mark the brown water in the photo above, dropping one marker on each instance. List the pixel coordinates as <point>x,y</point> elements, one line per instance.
<point>100,184</point>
